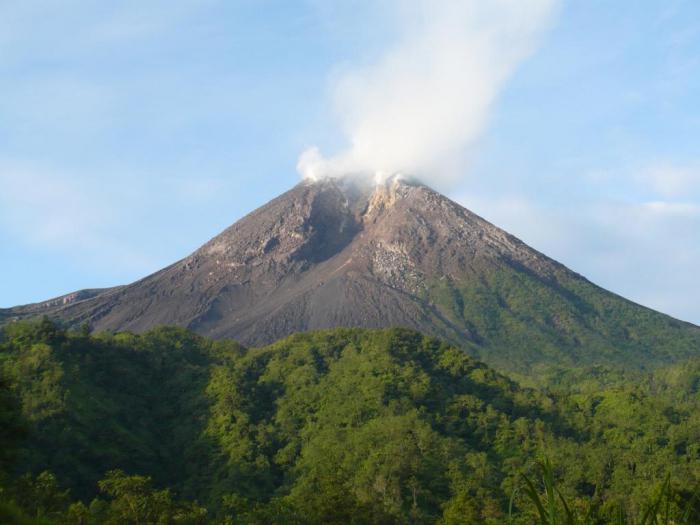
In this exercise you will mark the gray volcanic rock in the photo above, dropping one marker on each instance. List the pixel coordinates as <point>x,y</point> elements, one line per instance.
<point>340,253</point>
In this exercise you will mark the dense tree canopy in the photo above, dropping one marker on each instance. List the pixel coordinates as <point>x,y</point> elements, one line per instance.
<point>340,426</point>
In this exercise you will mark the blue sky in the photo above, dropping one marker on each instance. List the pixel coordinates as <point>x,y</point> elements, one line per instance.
<point>131,132</point>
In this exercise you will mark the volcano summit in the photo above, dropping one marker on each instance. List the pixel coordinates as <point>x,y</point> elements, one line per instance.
<point>336,252</point>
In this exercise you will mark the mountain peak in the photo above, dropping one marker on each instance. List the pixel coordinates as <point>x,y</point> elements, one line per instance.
<point>350,252</point>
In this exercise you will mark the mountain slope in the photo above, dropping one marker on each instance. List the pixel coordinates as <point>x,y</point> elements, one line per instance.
<point>337,253</point>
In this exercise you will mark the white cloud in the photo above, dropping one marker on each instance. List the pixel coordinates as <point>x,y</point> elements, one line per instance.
<point>428,96</point>
<point>670,209</point>
<point>672,181</point>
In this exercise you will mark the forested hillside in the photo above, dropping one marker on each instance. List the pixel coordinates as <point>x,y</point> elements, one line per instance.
<point>338,426</point>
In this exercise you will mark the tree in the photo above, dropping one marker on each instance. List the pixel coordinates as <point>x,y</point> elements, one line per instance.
<point>132,501</point>
<point>12,426</point>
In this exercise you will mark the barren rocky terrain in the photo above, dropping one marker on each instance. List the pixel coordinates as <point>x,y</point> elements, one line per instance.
<point>338,252</point>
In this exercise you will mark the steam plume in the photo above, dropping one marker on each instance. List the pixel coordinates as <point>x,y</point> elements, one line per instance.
<point>427,98</point>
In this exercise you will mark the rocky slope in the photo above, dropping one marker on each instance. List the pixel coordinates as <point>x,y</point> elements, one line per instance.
<point>341,253</point>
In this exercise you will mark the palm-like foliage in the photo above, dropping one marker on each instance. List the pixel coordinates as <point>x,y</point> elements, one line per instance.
<point>553,509</point>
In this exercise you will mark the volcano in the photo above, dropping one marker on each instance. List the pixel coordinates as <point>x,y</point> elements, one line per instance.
<point>338,252</point>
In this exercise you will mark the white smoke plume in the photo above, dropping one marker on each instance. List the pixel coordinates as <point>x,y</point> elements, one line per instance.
<point>426,100</point>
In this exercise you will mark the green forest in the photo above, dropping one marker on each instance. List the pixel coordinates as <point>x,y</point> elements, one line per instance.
<point>343,426</point>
